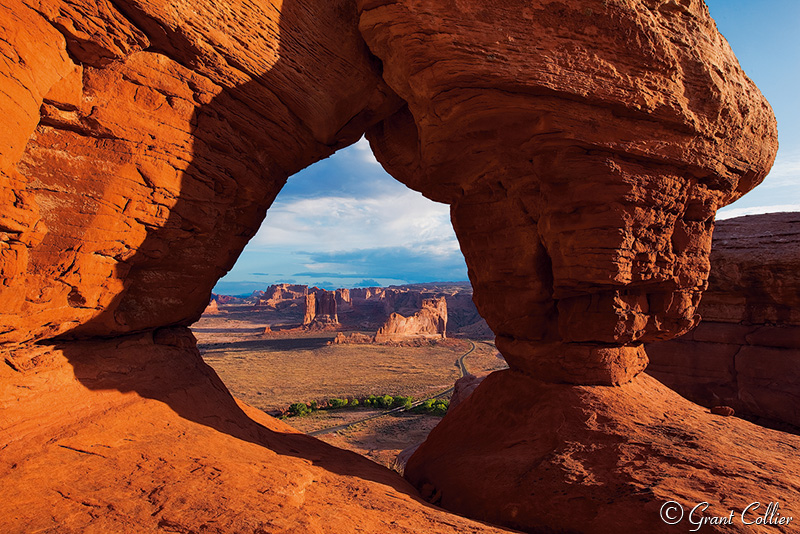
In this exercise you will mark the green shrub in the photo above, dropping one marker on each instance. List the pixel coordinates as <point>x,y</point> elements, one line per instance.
<point>433,407</point>
<point>298,409</point>
<point>400,401</point>
<point>337,403</point>
<point>385,402</point>
<point>353,403</point>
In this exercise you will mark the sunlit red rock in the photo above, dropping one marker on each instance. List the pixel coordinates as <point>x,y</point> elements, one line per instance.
<point>143,143</point>
<point>584,147</point>
<point>429,322</point>
<point>278,294</point>
<point>543,457</point>
<point>320,309</point>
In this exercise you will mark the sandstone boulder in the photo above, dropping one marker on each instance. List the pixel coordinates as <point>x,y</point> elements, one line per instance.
<point>543,457</point>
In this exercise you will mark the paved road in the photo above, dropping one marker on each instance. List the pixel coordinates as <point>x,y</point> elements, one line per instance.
<point>462,372</point>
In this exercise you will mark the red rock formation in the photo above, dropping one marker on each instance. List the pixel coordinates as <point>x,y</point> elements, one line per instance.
<point>429,322</point>
<point>225,299</point>
<point>277,294</point>
<point>212,308</point>
<point>143,144</point>
<point>343,298</point>
<point>562,458</point>
<point>746,351</point>
<point>159,445</point>
<point>355,338</point>
<point>320,311</point>
<point>310,310</point>
<point>583,169</point>
<point>583,146</point>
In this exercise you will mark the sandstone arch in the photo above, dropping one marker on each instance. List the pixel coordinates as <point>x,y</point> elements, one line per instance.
<point>583,171</point>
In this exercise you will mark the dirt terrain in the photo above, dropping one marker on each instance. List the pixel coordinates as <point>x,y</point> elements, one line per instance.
<point>272,371</point>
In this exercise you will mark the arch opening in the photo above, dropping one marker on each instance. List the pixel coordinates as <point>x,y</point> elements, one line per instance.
<point>354,288</point>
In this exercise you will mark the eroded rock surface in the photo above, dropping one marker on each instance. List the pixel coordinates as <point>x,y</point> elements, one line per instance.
<point>320,311</point>
<point>144,142</point>
<point>583,146</point>
<point>147,439</point>
<point>278,294</point>
<point>746,351</point>
<point>429,322</point>
<point>583,168</point>
<point>560,458</point>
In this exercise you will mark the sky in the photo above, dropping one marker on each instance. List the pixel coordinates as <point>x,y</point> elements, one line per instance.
<point>344,222</point>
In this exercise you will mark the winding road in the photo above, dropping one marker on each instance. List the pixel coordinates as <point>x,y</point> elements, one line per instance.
<point>462,368</point>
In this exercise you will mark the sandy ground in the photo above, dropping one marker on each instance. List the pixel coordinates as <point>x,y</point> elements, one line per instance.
<point>270,372</point>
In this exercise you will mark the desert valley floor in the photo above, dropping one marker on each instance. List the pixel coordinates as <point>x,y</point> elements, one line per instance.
<point>272,371</point>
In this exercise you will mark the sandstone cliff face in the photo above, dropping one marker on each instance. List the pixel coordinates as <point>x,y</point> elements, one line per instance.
<point>583,146</point>
<point>122,163</point>
<point>583,170</point>
<point>320,311</point>
<point>277,294</point>
<point>746,351</point>
<point>343,300</point>
<point>428,322</point>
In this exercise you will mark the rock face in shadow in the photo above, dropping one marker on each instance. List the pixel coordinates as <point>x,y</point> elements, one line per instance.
<point>145,142</point>
<point>583,146</point>
<point>583,168</point>
<point>746,351</point>
<point>429,322</point>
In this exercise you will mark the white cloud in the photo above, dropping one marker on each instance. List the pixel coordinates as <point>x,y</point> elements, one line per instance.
<point>786,170</point>
<point>336,223</point>
<point>362,152</point>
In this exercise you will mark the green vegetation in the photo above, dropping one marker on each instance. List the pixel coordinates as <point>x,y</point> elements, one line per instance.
<point>433,407</point>
<point>383,402</point>
<point>299,408</point>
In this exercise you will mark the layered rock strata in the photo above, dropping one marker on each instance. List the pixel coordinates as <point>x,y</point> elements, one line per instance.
<point>583,169</point>
<point>582,145</point>
<point>746,351</point>
<point>277,294</point>
<point>429,322</point>
<point>320,311</point>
